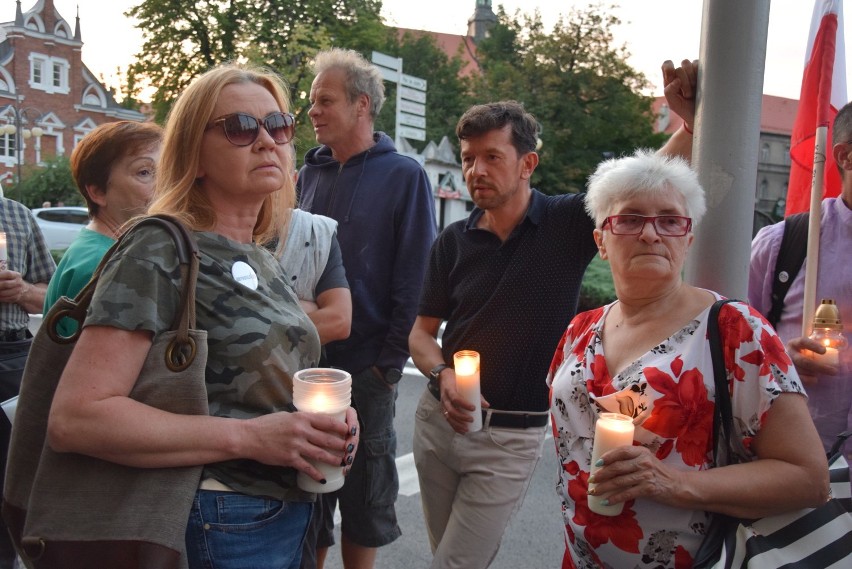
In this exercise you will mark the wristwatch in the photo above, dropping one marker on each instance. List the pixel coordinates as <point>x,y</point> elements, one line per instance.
<point>392,375</point>
<point>435,373</point>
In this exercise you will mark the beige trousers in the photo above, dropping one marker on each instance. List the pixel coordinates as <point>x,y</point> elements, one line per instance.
<point>470,485</point>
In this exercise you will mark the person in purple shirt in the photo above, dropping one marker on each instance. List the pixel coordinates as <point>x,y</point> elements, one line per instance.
<point>829,387</point>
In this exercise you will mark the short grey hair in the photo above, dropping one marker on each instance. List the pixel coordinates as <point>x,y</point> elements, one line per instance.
<point>362,77</point>
<point>642,174</point>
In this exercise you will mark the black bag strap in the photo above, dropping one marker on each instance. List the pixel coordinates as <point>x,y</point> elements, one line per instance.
<point>723,416</point>
<point>791,256</point>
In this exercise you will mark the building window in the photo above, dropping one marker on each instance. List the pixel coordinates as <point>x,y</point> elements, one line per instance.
<point>764,152</point>
<point>764,189</point>
<point>787,155</point>
<point>7,145</point>
<point>37,71</point>
<point>49,74</point>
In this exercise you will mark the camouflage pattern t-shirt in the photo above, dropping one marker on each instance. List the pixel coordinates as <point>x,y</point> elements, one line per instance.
<point>257,339</point>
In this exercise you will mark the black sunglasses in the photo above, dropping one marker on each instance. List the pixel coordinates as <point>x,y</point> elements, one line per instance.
<point>242,129</point>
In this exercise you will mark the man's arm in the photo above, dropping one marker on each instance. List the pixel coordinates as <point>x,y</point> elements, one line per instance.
<point>679,86</point>
<point>331,314</point>
<point>423,344</point>
<point>415,232</point>
<point>14,289</point>
<point>427,354</point>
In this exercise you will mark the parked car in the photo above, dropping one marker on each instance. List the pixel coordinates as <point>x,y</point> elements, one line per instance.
<point>61,225</point>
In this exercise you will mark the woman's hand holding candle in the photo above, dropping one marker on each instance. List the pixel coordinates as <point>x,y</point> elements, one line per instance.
<point>612,431</point>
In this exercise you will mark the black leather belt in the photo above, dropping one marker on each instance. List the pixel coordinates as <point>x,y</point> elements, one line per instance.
<point>504,419</point>
<point>13,335</point>
<point>516,420</point>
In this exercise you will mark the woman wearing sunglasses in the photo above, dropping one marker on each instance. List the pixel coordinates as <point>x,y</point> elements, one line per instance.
<point>647,356</point>
<point>226,172</point>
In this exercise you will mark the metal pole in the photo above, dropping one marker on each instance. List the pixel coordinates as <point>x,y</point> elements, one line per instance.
<point>20,150</point>
<point>730,89</point>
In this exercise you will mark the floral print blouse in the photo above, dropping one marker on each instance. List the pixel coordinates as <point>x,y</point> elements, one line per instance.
<point>669,392</point>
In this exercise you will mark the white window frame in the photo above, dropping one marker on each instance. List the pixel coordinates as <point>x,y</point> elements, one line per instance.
<point>48,68</point>
<point>7,147</point>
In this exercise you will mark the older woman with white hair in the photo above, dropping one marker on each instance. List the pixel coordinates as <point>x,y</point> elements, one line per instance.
<point>647,355</point>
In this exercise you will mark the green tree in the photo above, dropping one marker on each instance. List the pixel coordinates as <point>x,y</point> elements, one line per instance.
<point>52,182</point>
<point>183,38</point>
<point>576,82</point>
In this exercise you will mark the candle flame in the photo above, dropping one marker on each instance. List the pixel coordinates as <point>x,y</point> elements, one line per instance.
<point>319,403</point>
<point>466,366</point>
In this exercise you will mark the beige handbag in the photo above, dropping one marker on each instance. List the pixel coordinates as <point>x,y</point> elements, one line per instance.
<point>66,510</point>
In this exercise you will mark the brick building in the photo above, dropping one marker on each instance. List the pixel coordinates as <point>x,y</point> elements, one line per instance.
<point>47,94</point>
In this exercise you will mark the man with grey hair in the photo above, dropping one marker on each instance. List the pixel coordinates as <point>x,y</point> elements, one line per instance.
<point>383,205</point>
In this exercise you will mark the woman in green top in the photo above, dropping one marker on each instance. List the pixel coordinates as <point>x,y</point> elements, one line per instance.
<point>114,169</point>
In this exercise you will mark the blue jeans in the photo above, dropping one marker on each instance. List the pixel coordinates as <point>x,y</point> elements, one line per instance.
<point>228,530</point>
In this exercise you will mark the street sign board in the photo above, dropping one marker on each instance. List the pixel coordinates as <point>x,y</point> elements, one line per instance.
<point>383,60</point>
<point>413,82</point>
<point>388,74</point>
<point>412,120</point>
<point>410,132</point>
<point>412,95</point>
<point>412,107</point>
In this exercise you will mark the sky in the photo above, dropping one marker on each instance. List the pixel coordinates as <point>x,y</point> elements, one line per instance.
<point>651,30</point>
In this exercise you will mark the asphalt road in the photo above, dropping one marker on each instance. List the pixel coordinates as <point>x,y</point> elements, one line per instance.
<point>533,539</point>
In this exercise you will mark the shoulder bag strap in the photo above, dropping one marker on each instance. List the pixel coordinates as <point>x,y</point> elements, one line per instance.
<point>723,417</point>
<point>791,256</point>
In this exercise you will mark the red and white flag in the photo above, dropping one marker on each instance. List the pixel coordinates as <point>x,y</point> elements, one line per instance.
<point>823,94</point>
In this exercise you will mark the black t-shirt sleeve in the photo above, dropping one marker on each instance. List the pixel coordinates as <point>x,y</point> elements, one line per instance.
<point>334,275</point>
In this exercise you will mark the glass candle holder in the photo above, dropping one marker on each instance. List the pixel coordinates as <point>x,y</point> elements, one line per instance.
<point>828,331</point>
<point>329,391</point>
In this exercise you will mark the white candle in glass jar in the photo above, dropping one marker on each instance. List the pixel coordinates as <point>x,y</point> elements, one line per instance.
<point>612,430</point>
<point>322,390</point>
<point>466,363</point>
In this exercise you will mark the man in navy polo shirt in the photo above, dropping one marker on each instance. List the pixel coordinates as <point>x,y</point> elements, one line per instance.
<point>506,280</point>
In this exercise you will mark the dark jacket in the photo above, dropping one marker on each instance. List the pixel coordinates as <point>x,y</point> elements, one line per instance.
<point>384,208</point>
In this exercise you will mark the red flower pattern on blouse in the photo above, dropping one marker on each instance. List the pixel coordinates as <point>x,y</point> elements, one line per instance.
<point>580,322</point>
<point>679,410</point>
<point>771,352</point>
<point>737,331</point>
<point>683,560</point>
<point>683,413</point>
<point>601,382</point>
<point>622,530</point>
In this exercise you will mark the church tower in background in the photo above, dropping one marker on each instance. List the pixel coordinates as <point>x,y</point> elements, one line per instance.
<point>480,23</point>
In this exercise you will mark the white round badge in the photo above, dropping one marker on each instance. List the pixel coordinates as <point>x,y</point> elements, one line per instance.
<point>244,275</point>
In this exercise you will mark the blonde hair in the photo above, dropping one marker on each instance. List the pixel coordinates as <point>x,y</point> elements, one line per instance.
<point>177,192</point>
<point>362,77</point>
